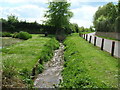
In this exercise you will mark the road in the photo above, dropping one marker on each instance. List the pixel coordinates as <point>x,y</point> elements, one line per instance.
<point>107,44</point>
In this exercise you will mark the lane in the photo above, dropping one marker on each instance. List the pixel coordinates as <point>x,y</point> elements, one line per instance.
<point>107,44</point>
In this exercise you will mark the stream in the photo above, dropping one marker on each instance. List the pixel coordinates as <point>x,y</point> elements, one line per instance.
<point>51,75</point>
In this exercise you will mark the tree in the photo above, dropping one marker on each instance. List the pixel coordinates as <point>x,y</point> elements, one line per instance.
<point>105,18</point>
<point>12,19</point>
<point>58,15</point>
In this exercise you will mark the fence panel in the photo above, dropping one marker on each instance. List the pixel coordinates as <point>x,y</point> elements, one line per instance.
<point>107,44</point>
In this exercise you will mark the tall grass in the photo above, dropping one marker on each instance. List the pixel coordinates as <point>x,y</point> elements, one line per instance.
<point>20,59</point>
<point>87,67</point>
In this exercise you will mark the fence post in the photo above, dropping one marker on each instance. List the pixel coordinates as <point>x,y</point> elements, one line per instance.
<point>90,39</point>
<point>95,41</point>
<point>80,34</point>
<point>113,48</point>
<point>86,37</point>
<point>102,44</point>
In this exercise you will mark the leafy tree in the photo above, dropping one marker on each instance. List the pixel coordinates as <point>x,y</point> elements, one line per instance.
<point>74,27</point>
<point>105,18</point>
<point>12,19</point>
<point>82,29</point>
<point>58,15</point>
<point>3,20</point>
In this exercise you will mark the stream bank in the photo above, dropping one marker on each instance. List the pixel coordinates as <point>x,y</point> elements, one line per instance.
<point>51,75</point>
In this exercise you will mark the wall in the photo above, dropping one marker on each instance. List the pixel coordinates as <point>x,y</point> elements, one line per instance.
<point>109,34</point>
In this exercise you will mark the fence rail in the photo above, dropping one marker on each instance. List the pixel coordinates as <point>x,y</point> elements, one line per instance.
<point>110,46</point>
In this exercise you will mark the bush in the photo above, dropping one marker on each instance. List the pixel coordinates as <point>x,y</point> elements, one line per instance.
<point>22,35</point>
<point>6,34</point>
<point>16,35</point>
<point>47,51</point>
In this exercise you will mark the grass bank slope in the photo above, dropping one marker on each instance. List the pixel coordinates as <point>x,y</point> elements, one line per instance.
<point>19,59</point>
<point>87,66</point>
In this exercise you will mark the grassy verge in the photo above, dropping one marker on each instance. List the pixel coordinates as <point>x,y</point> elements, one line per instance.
<point>85,32</point>
<point>7,41</point>
<point>88,67</point>
<point>19,60</point>
<point>108,38</point>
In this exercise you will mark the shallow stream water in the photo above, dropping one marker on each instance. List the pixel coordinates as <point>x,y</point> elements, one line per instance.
<point>51,76</point>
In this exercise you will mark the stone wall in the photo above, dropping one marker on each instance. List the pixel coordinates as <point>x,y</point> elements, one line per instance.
<point>109,34</point>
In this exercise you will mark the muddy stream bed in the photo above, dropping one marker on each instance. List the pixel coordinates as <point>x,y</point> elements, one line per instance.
<point>51,75</point>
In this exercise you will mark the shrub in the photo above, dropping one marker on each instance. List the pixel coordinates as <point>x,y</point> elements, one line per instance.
<point>22,35</point>
<point>6,34</point>
<point>16,35</point>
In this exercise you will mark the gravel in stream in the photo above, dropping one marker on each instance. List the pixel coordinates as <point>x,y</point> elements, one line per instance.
<point>51,76</point>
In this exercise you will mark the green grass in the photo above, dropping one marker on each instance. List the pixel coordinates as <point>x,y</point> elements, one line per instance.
<point>87,66</point>
<point>22,57</point>
<point>7,41</point>
<point>24,54</point>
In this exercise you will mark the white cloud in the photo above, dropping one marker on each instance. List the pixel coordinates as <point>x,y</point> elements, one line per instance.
<point>83,16</point>
<point>26,12</point>
<point>82,22</point>
<point>44,1</point>
<point>76,1</point>
<point>29,11</point>
<point>23,1</point>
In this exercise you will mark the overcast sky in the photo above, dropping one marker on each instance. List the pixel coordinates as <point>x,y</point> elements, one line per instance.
<point>33,10</point>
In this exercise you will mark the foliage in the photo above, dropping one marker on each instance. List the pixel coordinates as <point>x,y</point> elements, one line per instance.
<point>117,24</point>
<point>11,24</point>
<point>12,19</point>
<point>22,35</point>
<point>25,75</point>
<point>39,68</point>
<point>74,27</point>
<point>21,58</point>
<point>6,34</point>
<point>58,15</point>
<point>8,69</point>
<point>105,18</point>
<point>47,51</point>
<point>16,35</point>
<point>82,66</point>
<point>83,29</point>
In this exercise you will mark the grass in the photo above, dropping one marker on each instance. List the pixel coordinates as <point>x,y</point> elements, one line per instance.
<point>88,67</point>
<point>20,58</point>
<point>7,41</point>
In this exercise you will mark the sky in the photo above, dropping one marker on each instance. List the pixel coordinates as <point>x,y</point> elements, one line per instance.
<point>34,10</point>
